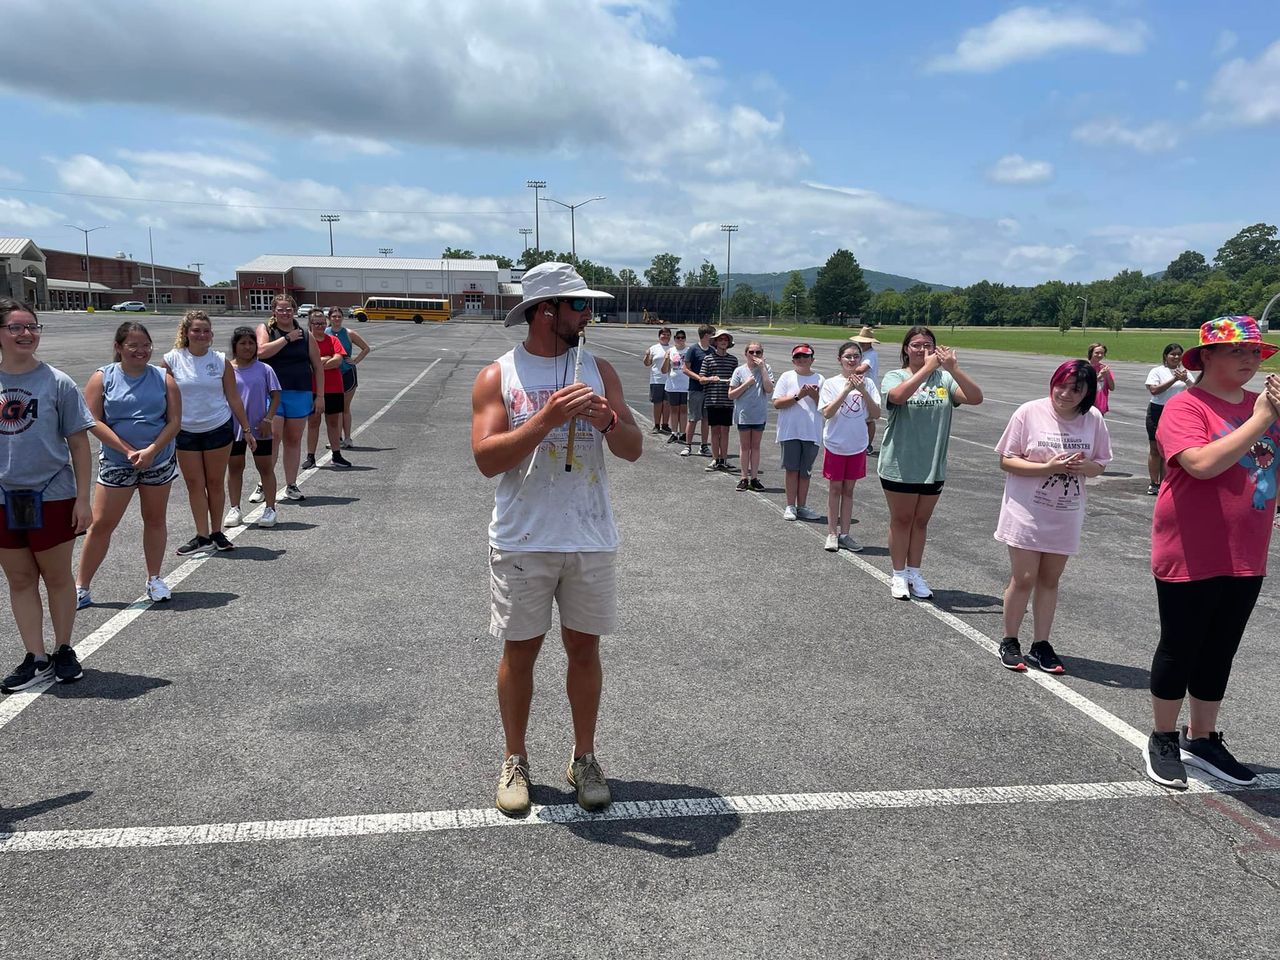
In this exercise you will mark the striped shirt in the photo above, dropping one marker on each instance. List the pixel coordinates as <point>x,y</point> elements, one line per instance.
<point>717,394</point>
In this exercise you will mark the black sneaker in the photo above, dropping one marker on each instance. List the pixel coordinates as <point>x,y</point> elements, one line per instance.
<point>744,484</point>
<point>755,484</point>
<point>220,541</point>
<point>713,466</point>
<point>656,429</point>
<point>1011,654</point>
<point>673,438</point>
<point>1211,755</point>
<point>26,674</point>
<point>339,460</point>
<point>705,450</point>
<point>1041,655</point>
<point>309,461</point>
<point>665,429</point>
<point>196,544</point>
<point>1153,489</point>
<point>66,665</point>
<point>1164,764</point>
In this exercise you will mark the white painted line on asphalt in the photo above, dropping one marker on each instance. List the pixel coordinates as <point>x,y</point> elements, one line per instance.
<point>382,824</point>
<point>13,704</point>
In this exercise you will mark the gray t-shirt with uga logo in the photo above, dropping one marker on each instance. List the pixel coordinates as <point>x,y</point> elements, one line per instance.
<point>38,411</point>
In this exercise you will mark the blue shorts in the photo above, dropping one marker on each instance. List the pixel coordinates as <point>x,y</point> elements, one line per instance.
<point>295,404</point>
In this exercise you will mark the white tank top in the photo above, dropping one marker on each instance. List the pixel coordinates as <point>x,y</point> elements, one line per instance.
<point>539,506</point>
<point>204,401</point>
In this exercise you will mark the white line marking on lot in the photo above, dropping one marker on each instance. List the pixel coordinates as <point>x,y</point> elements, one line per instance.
<point>13,704</point>
<point>381,824</point>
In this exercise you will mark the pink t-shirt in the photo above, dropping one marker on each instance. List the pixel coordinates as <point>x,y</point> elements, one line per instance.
<point>1047,513</point>
<point>1219,527</point>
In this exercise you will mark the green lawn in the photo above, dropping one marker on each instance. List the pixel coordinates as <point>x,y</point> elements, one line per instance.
<point>1143,346</point>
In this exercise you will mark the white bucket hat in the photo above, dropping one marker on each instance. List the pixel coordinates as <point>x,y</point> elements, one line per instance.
<point>722,333</point>
<point>550,281</point>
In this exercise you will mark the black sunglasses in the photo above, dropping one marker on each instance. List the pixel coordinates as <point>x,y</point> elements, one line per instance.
<point>802,356</point>
<point>577,304</point>
<point>756,353</point>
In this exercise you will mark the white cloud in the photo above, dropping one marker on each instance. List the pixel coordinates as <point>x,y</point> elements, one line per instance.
<point>1151,249</point>
<point>17,215</point>
<point>341,145</point>
<point>1031,33</point>
<point>10,176</point>
<point>196,164</point>
<point>1152,138</point>
<point>1016,169</point>
<point>1225,43</point>
<point>502,75</point>
<point>1181,86</point>
<point>1040,260</point>
<point>1247,92</point>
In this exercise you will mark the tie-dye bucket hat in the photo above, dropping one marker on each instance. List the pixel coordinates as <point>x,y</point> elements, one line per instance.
<point>1227,330</point>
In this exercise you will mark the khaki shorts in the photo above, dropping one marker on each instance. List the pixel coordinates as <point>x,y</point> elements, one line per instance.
<point>522,586</point>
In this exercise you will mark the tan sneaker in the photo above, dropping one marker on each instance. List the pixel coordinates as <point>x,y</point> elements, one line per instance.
<point>593,790</point>
<point>513,786</point>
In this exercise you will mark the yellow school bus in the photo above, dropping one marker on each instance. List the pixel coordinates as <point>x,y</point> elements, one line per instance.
<point>400,308</point>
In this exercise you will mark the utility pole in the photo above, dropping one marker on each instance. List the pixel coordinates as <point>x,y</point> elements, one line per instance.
<point>88,281</point>
<point>1084,320</point>
<point>573,234</point>
<point>536,185</point>
<point>729,230</point>
<point>524,232</point>
<point>198,264</point>
<point>330,219</point>
<point>151,248</point>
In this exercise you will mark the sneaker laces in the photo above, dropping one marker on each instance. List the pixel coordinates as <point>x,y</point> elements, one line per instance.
<point>591,768</point>
<point>512,768</point>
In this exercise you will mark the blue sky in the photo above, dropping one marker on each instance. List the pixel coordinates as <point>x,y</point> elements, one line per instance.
<point>952,141</point>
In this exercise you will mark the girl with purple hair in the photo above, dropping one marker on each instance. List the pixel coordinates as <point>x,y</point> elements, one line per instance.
<point>1049,449</point>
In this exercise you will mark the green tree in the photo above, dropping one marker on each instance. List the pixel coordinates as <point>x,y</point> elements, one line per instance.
<point>1188,265</point>
<point>504,263</point>
<point>794,287</point>
<point>887,307</point>
<point>628,278</point>
<point>457,253</point>
<point>746,302</point>
<point>597,275</point>
<point>840,288</point>
<point>532,257</point>
<point>707,276</point>
<point>224,283</point>
<point>955,308</point>
<point>664,271</point>
<point>1254,246</point>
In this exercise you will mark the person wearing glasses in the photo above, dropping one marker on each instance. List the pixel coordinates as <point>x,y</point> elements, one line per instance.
<point>294,356</point>
<point>542,417</point>
<point>799,429</point>
<point>749,389</point>
<point>677,387</point>
<point>139,412</point>
<point>210,409</point>
<point>331,356</point>
<point>919,399</point>
<point>45,475</point>
<point>849,405</point>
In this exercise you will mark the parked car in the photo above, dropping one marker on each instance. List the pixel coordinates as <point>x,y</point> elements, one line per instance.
<point>133,306</point>
<point>303,310</point>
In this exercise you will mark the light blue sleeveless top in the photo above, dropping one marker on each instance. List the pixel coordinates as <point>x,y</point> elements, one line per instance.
<point>136,409</point>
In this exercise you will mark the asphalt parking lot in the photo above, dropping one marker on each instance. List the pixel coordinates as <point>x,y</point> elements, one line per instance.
<point>296,756</point>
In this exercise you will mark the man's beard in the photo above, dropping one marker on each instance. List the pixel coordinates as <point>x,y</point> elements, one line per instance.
<point>572,338</point>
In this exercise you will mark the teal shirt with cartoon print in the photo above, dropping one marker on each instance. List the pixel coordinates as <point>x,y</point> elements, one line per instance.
<point>915,443</point>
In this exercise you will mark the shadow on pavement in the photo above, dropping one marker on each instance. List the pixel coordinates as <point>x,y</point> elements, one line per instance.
<point>108,685</point>
<point>9,816</point>
<point>677,838</point>
<point>1119,676</point>
<point>961,601</point>
<point>288,525</point>
<point>254,553</point>
<point>194,600</point>
<point>323,501</point>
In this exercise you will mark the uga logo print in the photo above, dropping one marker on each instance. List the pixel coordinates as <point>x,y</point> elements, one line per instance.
<point>18,411</point>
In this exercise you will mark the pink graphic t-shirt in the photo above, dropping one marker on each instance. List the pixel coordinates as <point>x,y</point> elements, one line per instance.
<point>1219,527</point>
<point>1046,514</point>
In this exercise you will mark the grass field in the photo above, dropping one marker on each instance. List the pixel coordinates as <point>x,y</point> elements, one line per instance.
<point>1143,346</point>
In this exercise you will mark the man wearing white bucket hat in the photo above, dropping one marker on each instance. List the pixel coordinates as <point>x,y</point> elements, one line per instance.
<point>541,417</point>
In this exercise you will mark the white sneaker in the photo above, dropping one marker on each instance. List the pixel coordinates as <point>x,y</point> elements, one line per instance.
<point>919,585</point>
<point>83,598</point>
<point>257,496</point>
<point>850,544</point>
<point>268,518</point>
<point>898,587</point>
<point>687,452</point>
<point>789,513</point>
<point>158,590</point>
<point>233,518</point>
<point>804,513</point>
<point>346,443</point>
<point>832,544</point>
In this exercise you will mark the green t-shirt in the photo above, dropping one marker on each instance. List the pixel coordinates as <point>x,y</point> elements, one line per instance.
<point>914,449</point>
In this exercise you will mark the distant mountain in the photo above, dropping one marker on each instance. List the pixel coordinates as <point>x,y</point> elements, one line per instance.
<point>772,283</point>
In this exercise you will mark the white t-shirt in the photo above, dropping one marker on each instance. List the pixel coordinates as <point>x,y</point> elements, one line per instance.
<point>869,354</point>
<point>802,420</point>
<point>846,432</point>
<point>1158,377</point>
<point>199,379</point>
<point>677,379</point>
<point>655,354</point>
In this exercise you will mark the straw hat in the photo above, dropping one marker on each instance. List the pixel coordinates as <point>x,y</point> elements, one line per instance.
<point>865,337</point>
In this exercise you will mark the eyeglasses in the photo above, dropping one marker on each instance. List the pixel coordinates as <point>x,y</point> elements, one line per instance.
<point>576,304</point>
<point>199,333</point>
<point>138,347</point>
<point>18,328</point>
<point>756,353</point>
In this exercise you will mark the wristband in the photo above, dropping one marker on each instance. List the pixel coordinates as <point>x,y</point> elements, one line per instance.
<point>613,422</point>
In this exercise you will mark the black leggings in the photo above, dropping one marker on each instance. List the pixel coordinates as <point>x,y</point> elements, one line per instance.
<point>1201,623</point>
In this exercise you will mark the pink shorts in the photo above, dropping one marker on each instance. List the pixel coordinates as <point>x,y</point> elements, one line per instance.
<point>838,467</point>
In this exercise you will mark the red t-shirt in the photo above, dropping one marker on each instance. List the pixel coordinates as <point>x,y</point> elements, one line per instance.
<point>330,345</point>
<point>1219,527</point>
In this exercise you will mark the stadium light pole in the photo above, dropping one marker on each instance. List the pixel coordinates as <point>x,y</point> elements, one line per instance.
<point>524,232</point>
<point>795,309</point>
<point>330,219</point>
<point>573,234</point>
<point>386,251</point>
<point>88,282</point>
<point>535,186</point>
<point>1084,320</point>
<point>729,230</point>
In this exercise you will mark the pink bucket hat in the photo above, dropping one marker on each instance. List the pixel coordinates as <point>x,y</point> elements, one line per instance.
<point>1227,330</point>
